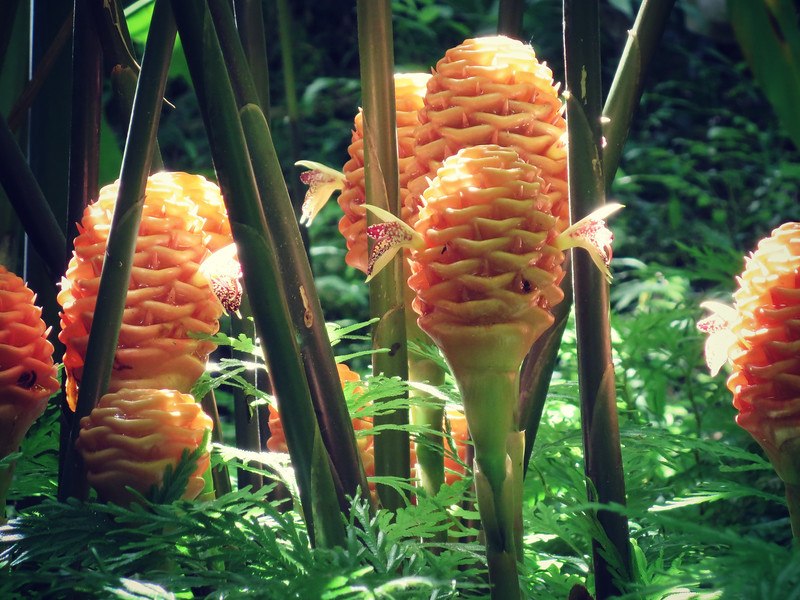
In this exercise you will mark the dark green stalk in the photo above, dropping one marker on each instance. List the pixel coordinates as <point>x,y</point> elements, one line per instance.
<point>285,28</point>
<point>26,197</point>
<point>246,417</point>
<point>115,38</point>
<point>262,279</point>
<point>603,456</point>
<point>87,83</point>
<point>250,24</point>
<point>219,474</point>
<point>298,281</point>
<point>8,15</point>
<point>537,370</point>
<point>44,66</point>
<point>123,84</point>
<point>115,275</point>
<point>793,502</point>
<point>626,88</point>
<point>509,18</point>
<point>382,187</point>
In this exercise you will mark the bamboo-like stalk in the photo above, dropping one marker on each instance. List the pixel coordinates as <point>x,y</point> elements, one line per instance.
<point>246,419</point>
<point>285,27</point>
<point>509,18</point>
<point>29,203</point>
<point>626,88</point>
<point>793,502</point>
<point>219,474</point>
<point>298,281</point>
<point>603,456</point>
<point>262,279</point>
<point>250,24</point>
<point>8,14</point>
<point>386,291</point>
<point>115,276</point>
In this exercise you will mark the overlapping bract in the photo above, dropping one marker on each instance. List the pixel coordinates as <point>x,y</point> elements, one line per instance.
<point>183,220</point>
<point>131,437</point>
<point>489,254</point>
<point>766,356</point>
<point>491,90</point>
<point>27,372</point>
<point>409,91</point>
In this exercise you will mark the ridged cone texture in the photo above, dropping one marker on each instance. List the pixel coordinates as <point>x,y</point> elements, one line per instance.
<point>766,358</point>
<point>489,262</point>
<point>131,436</point>
<point>27,372</point>
<point>491,90</point>
<point>409,91</point>
<point>183,220</point>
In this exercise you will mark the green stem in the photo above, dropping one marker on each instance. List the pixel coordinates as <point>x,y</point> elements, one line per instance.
<point>6,475</point>
<point>298,280</point>
<point>490,405</point>
<point>29,203</point>
<point>509,18</point>
<point>793,502</point>
<point>262,279</point>
<point>219,474</point>
<point>626,88</point>
<point>285,28</point>
<point>122,236</point>
<point>8,15</point>
<point>250,24</point>
<point>603,456</point>
<point>382,187</point>
<point>248,435</point>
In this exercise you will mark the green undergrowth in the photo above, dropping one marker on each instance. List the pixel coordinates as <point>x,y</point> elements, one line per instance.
<point>706,512</point>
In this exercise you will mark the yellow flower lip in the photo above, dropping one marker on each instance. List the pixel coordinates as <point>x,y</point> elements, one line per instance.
<point>322,182</point>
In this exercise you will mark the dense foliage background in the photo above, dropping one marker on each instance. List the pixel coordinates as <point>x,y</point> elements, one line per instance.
<point>706,173</point>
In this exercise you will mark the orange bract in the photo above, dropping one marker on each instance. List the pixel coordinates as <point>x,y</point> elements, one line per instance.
<point>489,256</point>
<point>131,436</point>
<point>491,90</point>
<point>27,373</point>
<point>766,356</point>
<point>183,220</point>
<point>409,91</point>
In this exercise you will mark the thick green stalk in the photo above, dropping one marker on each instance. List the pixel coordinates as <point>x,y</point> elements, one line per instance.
<point>6,475</point>
<point>298,280</point>
<point>250,24</point>
<point>8,15</point>
<point>382,187</point>
<point>87,84</point>
<point>285,28</point>
<point>626,88</point>
<point>246,422</point>
<point>219,474</point>
<point>603,456</point>
<point>793,502</point>
<point>26,197</point>
<point>123,83</point>
<point>115,276</point>
<point>489,400</point>
<point>509,18</point>
<point>262,279</point>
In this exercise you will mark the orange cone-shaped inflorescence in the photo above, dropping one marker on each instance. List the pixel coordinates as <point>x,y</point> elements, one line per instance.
<point>766,354</point>
<point>131,436</point>
<point>409,91</point>
<point>183,220</point>
<point>488,266</point>
<point>491,90</point>
<point>27,373</point>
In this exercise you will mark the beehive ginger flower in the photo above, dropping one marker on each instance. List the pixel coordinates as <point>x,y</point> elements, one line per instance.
<point>409,89</point>
<point>183,220</point>
<point>760,337</point>
<point>491,90</point>
<point>27,372</point>
<point>131,436</point>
